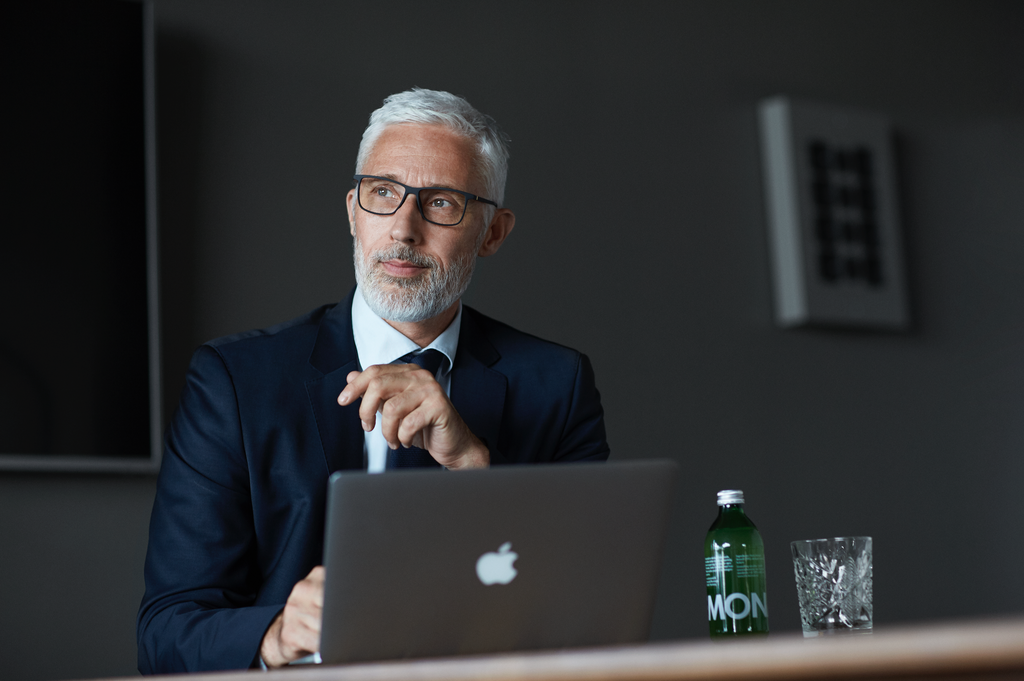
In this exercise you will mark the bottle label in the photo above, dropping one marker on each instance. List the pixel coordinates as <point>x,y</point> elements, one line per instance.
<point>737,598</point>
<point>737,606</point>
<point>746,565</point>
<point>749,565</point>
<point>715,565</point>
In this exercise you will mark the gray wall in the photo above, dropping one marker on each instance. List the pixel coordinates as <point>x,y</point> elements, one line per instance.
<point>914,438</point>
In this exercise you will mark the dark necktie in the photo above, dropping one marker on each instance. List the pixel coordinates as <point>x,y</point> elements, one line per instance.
<point>414,457</point>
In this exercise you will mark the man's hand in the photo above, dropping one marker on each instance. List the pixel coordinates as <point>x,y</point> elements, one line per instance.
<point>296,631</point>
<point>415,412</point>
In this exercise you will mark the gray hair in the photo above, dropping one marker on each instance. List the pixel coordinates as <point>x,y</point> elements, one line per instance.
<point>455,113</point>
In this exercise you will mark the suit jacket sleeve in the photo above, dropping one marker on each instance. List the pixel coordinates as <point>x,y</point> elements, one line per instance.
<point>198,611</point>
<point>583,438</point>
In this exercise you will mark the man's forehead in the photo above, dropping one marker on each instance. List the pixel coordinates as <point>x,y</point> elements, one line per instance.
<point>425,153</point>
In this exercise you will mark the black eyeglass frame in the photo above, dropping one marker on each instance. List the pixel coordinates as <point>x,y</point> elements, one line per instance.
<point>416,192</point>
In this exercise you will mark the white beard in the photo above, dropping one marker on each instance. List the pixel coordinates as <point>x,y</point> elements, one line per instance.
<point>410,300</point>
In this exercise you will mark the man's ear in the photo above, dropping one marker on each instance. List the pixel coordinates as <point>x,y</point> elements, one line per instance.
<point>350,204</point>
<point>501,225</point>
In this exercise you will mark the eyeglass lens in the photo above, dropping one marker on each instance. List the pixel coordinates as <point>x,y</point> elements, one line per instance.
<point>383,197</point>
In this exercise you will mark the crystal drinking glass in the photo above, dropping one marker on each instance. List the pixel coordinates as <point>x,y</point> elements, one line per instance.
<point>833,583</point>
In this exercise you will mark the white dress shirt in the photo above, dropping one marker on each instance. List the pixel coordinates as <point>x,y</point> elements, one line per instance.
<point>377,342</point>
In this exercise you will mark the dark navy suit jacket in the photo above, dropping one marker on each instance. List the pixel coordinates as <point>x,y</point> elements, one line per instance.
<point>239,511</point>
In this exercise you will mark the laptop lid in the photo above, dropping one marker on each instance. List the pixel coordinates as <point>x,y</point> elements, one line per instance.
<point>426,563</point>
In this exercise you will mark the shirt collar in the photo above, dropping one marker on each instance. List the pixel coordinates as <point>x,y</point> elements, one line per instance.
<point>377,342</point>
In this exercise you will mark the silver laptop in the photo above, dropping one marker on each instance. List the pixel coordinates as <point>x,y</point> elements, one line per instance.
<point>426,563</point>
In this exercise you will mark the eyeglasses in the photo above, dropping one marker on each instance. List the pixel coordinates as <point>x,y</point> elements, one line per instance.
<point>438,205</point>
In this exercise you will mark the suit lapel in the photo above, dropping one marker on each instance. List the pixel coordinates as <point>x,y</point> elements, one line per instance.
<point>341,435</point>
<point>334,356</point>
<point>477,391</point>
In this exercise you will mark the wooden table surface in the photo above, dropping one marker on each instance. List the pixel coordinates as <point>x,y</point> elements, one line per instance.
<point>989,649</point>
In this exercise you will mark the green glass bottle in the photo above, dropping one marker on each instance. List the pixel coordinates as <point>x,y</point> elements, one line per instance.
<point>734,564</point>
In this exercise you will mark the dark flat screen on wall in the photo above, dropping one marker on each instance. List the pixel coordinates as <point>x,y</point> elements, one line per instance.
<point>77,347</point>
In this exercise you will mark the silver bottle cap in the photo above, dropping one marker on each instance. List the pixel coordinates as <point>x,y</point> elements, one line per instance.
<point>728,497</point>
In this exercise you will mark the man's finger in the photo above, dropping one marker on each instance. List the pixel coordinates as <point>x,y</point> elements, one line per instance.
<point>410,430</point>
<point>359,381</point>
<point>296,631</point>
<point>395,425</point>
<point>353,390</point>
<point>309,592</point>
<point>303,613</point>
<point>379,393</point>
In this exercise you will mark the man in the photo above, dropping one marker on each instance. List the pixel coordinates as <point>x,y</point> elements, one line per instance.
<point>236,537</point>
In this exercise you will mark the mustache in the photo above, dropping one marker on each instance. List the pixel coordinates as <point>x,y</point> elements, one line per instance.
<point>403,252</point>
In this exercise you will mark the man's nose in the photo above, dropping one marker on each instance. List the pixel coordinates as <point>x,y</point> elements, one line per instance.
<point>408,223</point>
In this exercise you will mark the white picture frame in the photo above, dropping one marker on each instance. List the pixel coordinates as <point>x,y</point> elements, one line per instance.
<point>833,217</point>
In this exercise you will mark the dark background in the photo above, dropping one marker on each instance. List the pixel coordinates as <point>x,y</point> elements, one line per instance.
<point>914,438</point>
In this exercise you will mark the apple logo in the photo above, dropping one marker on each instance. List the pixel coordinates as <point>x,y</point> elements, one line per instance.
<point>495,567</point>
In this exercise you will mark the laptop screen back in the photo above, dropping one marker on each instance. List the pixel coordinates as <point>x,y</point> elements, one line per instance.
<point>424,563</point>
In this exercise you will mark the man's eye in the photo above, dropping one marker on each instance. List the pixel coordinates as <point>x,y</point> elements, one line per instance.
<point>384,192</point>
<point>438,202</point>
